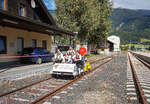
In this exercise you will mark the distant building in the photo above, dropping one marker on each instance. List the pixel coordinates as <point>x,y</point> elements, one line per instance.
<point>113,43</point>
<point>25,23</point>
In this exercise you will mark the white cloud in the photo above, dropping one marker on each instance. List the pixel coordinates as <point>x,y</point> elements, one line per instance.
<point>117,5</point>
<point>132,4</point>
<point>53,5</point>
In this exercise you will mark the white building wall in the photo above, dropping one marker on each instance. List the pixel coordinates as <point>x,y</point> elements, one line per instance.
<point>116,41</point>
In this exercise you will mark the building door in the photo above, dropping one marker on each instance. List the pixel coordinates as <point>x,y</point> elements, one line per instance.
<point>44,44</point>
<point>34,43</point>
<point>20,44</point>
<point>111,47</point>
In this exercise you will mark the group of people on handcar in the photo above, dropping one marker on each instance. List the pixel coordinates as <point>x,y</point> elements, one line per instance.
<point>71,56</point>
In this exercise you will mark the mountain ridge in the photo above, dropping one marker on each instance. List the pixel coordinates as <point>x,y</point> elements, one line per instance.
<point>131,25</point>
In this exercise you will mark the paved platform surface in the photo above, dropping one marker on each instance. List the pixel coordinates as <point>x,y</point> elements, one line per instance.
<point>23,71</point>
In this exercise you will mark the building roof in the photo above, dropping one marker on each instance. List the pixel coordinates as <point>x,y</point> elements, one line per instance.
<point>46,12</point>
<point>114,39</point>
<point>47,27</point>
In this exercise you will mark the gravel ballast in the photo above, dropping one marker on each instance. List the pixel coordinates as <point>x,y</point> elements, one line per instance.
<point>17,77</point>
<point>107,85</point>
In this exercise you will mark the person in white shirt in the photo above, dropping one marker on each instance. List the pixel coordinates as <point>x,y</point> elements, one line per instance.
<point>70,51</point>
<point>77,58</point>
<point>58,58</point>
<point>67,58</point>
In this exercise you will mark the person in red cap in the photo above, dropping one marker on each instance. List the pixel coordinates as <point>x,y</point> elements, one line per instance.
<point>82,50</point>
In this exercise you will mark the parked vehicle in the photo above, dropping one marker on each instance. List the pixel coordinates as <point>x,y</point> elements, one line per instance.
<point>36,55</point>
<point>94,52</point>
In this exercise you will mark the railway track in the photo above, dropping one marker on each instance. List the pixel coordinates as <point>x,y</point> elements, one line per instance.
<point>38,92</point>
<point>138,83</point>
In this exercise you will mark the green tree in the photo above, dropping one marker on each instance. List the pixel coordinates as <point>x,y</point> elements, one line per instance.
<point>90,18</point>
<point>102,25</point>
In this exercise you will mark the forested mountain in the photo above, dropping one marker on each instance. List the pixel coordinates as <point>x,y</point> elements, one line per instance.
<point>131,25</point>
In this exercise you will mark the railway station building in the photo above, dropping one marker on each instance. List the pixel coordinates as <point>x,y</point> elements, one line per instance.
<point>113,43</point>
<point>25,23</point>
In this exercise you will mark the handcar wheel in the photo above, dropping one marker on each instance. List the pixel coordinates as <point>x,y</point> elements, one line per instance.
<point>39,60</point>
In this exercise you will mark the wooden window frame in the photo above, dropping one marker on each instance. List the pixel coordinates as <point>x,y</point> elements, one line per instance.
<point>5,45</point>
<point>23,10</point>
<point>4,5</point>
<point>22,44</point>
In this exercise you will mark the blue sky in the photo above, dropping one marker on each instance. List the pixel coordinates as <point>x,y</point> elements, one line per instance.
<point>131,4</point>
<point>50,4</point>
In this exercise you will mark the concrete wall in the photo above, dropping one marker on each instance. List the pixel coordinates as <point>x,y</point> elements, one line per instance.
<point>11,40</point>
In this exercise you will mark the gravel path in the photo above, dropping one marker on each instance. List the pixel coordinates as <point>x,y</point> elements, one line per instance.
<point>105,86</point>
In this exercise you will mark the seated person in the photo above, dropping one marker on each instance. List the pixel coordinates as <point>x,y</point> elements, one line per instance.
<point>70,51</point>
<point>67,58</point>
<point>58,58</point>
<point>77,59</point>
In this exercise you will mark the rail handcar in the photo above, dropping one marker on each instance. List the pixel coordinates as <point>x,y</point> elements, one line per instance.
<point>66,69</point>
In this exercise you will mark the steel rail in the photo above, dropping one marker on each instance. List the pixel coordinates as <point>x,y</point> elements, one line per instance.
<point>21,88</point>
<point>142,61</point>
<point>29,85</point>
<point>53,93</point>
<point>139,90</point>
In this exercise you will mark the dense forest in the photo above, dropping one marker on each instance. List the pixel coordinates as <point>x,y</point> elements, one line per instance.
<point>131,25</point>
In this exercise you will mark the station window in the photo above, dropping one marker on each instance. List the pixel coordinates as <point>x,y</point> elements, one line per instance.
<point>44,44</point>
<point>2,45</point>
<point>34,43</point>
<point>22,10</point>
<point>20,44</point>
<point>3,5</point>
